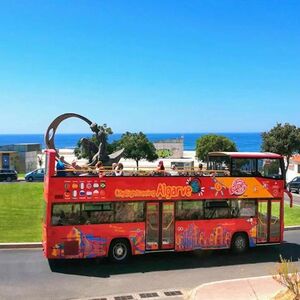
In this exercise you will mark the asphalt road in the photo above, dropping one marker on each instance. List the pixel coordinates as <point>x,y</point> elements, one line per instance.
<point>296,199</point>
<point>26,274</point>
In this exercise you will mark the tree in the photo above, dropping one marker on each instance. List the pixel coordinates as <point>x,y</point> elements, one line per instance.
<point>212,142</point>
<point>282,139</point>
<point>137,147</point>
<point>164,153</point>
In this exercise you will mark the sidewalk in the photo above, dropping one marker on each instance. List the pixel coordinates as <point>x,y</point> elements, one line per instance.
<point>255,288</point>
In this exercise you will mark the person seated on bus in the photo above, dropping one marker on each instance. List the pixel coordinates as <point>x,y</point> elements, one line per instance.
<point>160,169</point>
<point>173,171</point>
<point>160,166</point>
<point>113,170</point>
<point>226,171</point>
<point>59,218</point>
<point>60,166</point>
<point>75,168</point>
<point>200,169</point>
<point>55,219</point>
<point>100,168</point>
<point>119,170</point>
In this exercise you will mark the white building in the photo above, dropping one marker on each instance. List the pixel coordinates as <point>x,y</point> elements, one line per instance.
<point>294,168</point>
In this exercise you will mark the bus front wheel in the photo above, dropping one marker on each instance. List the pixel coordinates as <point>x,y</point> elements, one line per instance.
<point>119,250</point>
<point>239,243</point>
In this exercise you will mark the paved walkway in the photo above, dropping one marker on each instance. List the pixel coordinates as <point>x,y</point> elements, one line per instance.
<point>256,288</point>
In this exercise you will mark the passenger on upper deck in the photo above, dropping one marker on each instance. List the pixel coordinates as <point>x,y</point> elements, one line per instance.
<point>75,168</point>
<point>74,165</point>
<point>160,166</point>
<point>113,169</point>
<point>200,170</point>
<point>160,169</point>
<point>173,171</point>
<point>119,170</point>
<point>100,168</point>
<point>61,166</point>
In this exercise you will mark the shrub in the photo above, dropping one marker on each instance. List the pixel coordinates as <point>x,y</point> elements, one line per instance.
<point>288,276</point>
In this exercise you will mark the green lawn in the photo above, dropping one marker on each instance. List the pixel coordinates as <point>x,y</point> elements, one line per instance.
<point>291,215</point>
<point>21,211</point>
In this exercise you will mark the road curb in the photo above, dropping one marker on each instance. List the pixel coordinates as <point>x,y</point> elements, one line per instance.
<point>20,245</point>
<point>39,245</point>
<point>288,228</point>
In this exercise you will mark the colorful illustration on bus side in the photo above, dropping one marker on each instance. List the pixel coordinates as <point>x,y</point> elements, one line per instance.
<point>252,234</point>
<point>137,239</point>
<point>217,237</point>
<point>195,184</point>
<point>219,187</point>
<point>193,237</point>
<point>80,245</point>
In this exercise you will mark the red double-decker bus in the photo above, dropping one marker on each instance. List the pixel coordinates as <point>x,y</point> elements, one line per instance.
<point>236,203</point>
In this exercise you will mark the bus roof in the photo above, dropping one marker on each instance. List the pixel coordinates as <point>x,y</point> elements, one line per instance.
<point>246,154</point>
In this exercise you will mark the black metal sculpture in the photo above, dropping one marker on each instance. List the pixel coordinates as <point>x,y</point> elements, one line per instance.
<point>100,149</point>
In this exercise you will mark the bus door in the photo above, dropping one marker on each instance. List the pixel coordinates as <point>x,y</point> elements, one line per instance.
<point>268,221</point>
<point>159,226</point>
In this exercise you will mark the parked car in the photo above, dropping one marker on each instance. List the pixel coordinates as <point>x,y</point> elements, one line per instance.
<point>8,175</point>
<point>294,185</point>
<point>35,175</point>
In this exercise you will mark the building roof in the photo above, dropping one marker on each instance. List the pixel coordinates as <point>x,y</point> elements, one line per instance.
<point>296,158</point>
<point>246,154</point>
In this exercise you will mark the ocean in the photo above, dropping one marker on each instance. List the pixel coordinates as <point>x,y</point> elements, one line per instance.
<point>244,141</point>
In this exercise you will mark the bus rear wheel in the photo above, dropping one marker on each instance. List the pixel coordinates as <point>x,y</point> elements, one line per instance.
<point>119,250</point>
<point>239,243</point>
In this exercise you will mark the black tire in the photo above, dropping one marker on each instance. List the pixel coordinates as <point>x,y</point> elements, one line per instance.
<point>298,190</point>
<point>8,179</point>
<point>119,250</point>
<point>239,243</point>
<point>30,179</point>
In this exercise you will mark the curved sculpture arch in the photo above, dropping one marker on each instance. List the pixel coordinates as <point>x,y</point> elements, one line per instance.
<point>50,133</point>
<point>101,153</point>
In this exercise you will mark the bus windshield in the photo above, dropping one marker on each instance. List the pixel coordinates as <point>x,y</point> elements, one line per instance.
<point>247,167</point>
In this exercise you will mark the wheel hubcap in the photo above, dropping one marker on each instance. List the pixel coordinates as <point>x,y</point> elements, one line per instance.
<point>119,251</point>
<point>240,243</point>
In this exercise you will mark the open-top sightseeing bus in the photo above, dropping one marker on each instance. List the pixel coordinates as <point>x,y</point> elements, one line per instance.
<point>236,203</point>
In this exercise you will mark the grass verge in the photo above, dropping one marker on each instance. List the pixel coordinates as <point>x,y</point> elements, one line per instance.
<point>21,211</point>
<point>291,215</point>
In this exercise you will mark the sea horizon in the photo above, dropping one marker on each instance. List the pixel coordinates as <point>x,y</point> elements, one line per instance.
<point>245,141</point>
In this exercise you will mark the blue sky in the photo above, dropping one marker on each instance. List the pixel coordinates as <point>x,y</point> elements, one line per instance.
<point>151,66</point>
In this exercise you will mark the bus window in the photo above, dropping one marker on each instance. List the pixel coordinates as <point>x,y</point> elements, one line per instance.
<point>97,213</point>
<point>189,210</point>
<point>65,214</point>
<point>217,209</point>
<point>218,163</point>
<point>270,168</point>
<point>243,167</point>
<point>243,208</point>
<point>129,212</point>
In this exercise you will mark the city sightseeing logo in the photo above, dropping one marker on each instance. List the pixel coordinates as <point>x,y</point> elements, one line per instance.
<point>238,187</point>
<point>163,191</point>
